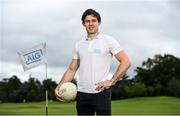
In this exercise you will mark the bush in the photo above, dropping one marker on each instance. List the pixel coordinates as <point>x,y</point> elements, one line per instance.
<point>138,90</point>
<point>174,87</point>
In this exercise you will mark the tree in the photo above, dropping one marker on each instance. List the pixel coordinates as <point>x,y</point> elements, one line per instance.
<point>137,90</point>
<point>157,72</point>
<point>121,89</point>
<point>49,85</point>
<point>32,87</point>
<point>174,87</point>
<point>3,91</point>
<point>11,88</point>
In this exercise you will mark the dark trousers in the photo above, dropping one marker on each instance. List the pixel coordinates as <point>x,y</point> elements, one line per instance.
<point>89,104</point>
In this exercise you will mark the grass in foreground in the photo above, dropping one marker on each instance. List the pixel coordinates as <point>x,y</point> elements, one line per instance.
<point>135,106</point>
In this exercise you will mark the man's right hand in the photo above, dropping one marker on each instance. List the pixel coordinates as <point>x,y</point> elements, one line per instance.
<point>57,93</point>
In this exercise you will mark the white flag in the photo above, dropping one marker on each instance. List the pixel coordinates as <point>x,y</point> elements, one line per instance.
<point>33,57</point>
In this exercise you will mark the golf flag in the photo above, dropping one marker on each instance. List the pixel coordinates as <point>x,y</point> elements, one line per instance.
<point>33,57</point>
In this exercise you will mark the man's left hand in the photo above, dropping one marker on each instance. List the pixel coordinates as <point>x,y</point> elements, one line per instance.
<point>103,85</point>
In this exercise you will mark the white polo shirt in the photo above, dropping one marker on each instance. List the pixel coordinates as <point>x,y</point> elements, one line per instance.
<point>95,60</point>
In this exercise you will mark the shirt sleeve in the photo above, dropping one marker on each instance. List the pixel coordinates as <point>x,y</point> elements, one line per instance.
<point>114,46</point>
<point>76,54</point>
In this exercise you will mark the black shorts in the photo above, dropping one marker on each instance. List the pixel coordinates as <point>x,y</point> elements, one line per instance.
<point>91,103</point>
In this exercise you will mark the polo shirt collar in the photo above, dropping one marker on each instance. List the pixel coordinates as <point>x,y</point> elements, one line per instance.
<point>97,37</point>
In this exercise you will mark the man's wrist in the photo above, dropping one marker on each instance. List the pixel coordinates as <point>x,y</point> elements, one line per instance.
<point>113,81</point>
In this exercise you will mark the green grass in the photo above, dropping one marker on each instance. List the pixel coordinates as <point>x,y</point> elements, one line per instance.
<point>135,106</point>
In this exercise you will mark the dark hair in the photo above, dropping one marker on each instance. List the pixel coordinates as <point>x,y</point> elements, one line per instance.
<point>91,12</point>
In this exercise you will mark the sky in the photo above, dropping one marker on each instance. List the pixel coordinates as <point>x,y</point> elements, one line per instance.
<point>142,27</point>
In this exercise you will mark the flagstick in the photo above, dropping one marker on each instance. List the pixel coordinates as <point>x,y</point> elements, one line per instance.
<point>46,91</point>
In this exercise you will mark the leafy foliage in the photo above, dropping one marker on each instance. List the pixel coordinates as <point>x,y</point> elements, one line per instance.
<point>13,90</point>
<point>157,73</point>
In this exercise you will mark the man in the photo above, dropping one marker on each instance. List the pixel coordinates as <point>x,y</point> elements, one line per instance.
<point>93,55</point>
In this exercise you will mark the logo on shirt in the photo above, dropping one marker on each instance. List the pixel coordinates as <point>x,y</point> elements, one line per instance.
<point>97,51</point>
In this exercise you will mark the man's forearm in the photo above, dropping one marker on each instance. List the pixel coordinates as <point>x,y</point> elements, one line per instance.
<point>70,72</point>
<point>68,76</point>
<point>122,68</point>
